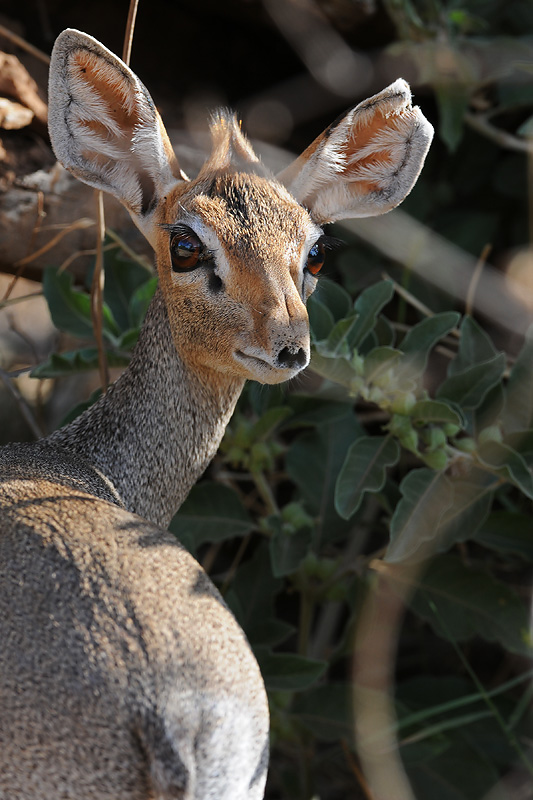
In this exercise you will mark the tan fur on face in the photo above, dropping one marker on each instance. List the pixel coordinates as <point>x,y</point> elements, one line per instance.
<point>262,233</point>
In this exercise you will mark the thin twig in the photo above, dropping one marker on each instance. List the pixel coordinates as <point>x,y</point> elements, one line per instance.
<point>22,404</point>
<point>130,27</point>
<point>75,226</point>
<point>35,231</point>
<point>91,252</point>
<point>474,280</point>
<point>97,293</point>
<point>22,43</point>
<point>481,124</point>
<point>236,561</point>
<point>141,260</point>
<point>410,298</point>
<point>356,771</point>
<point>14,300</point>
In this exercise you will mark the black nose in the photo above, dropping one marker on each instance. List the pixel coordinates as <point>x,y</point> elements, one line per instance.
<point>289,360</point>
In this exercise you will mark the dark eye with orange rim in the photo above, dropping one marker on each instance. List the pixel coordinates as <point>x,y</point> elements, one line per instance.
<point>316,258</point>
<point>186,251</point>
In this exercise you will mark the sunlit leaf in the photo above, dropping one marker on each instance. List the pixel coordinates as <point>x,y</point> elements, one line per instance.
<point>71,309</point>
<point>427,496</point>
<point>434,411</point>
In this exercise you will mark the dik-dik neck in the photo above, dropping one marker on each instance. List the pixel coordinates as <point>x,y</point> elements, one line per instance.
<point>156,429</point>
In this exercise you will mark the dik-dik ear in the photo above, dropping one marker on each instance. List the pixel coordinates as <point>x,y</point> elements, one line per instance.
<point>366,162</point>
<point>104,126</point>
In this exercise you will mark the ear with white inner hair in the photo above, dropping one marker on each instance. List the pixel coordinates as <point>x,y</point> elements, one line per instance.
<point>104,126</point>
<point>365,163</point>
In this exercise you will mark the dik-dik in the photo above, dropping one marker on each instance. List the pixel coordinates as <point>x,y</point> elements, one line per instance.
<point>123,676</point>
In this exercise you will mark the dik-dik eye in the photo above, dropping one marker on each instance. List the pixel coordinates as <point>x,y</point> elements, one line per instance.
<point>186,251</point>
<point>316,258</point>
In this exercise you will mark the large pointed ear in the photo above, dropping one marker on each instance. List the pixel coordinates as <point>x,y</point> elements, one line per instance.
<point>366,162</point>
<point>104,126</point>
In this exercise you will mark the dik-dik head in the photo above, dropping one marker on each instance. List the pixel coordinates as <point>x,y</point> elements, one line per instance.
<point>238,250</point>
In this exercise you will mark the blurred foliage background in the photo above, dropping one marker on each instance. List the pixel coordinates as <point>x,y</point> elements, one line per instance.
<point>370,524</point>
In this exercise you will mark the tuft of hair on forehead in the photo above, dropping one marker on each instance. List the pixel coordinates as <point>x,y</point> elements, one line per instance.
<point>230,147</point>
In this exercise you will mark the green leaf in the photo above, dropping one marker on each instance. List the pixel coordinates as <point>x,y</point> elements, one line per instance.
<point>287,672</point>
<point>458,772</point>
<point>337,370</point>
<point>475,347</point>
<point>452,101</point>
<point>471,603</point>
<point>334,297</point>
<point>379,360</point>
<point>128,339</point>
<point>507,532</point>
<point>313,463</point>
<point>419,341</point>
<point>427,496</point>
<point>71,309</point>
<point>448,510</point>
<point>269,421</point>
<point>321,320</point>
<point>72,362</point>
<point>252,593</point>
<point>288,550</point>
<point>364,470</point>
<point>472,501</point>
<point>368,305</point>
<point>338,341</point>
<point>140,300</point>
<point>507,463</point>
<point>211,513</point>
<point>79,408</point>
<point>469,388</point>
<point>270,632</point>
<point>434,411</point>
<point>326,711</point>
<point>123,279</point>
<point>518,410</point>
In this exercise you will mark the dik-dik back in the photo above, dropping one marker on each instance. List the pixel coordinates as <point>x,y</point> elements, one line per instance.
<point>122,673</point>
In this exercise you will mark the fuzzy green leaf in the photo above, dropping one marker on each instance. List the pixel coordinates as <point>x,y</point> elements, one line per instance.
<point>368,305</point>
<point>364,470</point>
<point>434,411</point>
<point>211,513</point>
<point>72,362</point>
<point>507,463</point>
<point>507,532</point>
<point>326,711</point>
<point>71,309</point>
<point>287,672</point>
<point>460,603</point>
<point>427,496</point>
<point>469,388</point>
<point>288,550</point>
<point>419,341</point>
<point>321,319</point>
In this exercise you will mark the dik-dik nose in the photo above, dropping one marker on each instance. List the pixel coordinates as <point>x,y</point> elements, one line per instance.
<point>292,358</point>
